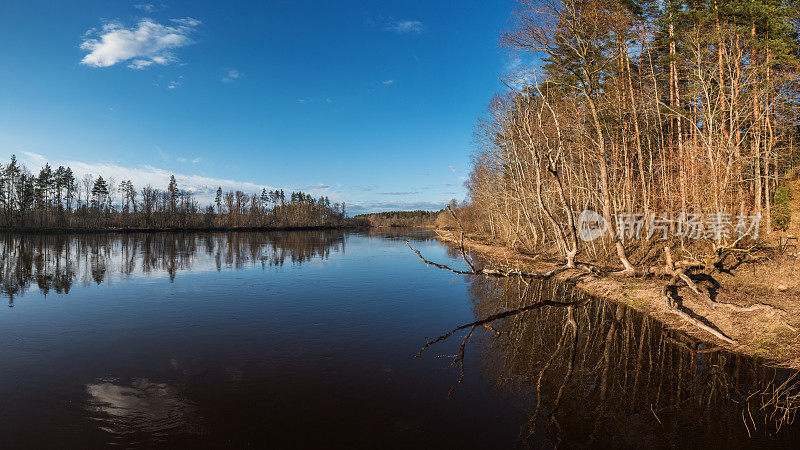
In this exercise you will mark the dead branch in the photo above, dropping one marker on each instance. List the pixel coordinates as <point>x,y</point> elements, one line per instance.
<point>498,316</point>
<point>497,272</point>
<point>458,359</point>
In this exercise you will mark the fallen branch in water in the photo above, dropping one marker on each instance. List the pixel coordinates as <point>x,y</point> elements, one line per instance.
<point>458,358</point>
<point>498,316</point>
<point>588,268</point>
<point>495,272</point>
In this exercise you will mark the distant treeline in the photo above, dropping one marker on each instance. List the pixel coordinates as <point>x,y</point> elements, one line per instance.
<point>418,218</point>
<point>55,199</point>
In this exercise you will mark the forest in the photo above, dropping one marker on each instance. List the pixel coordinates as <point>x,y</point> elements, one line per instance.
<point>54,199</point>
<point>416,218</point>
<point>663,109</point>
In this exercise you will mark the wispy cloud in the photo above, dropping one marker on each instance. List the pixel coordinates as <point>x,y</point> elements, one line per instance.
<point>232,75</point>
<point>303,100</point>
<point>183,159</point>
<point>146,7</point>
<point>317,186</point>
<point>162,154</point>
<point>519,73</point>
<point>203,187</point>
<point>453,169</point>
<point>398,193</point>
<point>387,82</point>
<point>35,159</point>
<point>145,44</point>
<point>406,26</point>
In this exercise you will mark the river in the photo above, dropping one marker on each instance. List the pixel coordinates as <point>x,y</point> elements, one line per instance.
<point>307,339</point>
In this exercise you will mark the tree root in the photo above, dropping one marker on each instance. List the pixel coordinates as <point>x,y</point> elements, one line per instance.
<point>681,273</point>
<point>683,315</point>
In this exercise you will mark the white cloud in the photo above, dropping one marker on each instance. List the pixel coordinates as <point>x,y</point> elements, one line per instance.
<point>233,74</point>
<point>453,169</point>
<point>406,26</point>
<point>145,44</point>
<point>203,187</point>
<point>398,193</point>
<point>146,7</point>
<point>36,159</point>
<point>303,100</point>
<point>387,82</point>
<point>519,73</point>
<point>196,160</point>
<point>140,64</point>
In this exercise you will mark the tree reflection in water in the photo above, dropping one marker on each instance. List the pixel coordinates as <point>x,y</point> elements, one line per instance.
<point>607,375</point>
<point>57,262</point>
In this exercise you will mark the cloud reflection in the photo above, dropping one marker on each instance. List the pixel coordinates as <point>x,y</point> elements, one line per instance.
<point>144,407</point>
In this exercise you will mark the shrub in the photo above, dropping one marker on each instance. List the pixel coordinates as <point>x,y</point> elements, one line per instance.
<point>783,195</point>
<point>781,212</point>
<point>781,216</point>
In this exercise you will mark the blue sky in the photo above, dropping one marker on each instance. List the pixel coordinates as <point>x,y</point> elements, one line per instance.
<point>368,102</point>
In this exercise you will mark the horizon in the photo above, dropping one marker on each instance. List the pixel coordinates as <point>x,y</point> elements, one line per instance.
<point>370,104</point>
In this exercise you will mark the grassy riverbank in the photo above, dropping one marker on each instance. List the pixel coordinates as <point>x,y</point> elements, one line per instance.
<point>767,333</point>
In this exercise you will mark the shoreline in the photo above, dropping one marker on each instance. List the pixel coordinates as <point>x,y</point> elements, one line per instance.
<point>758,333</point>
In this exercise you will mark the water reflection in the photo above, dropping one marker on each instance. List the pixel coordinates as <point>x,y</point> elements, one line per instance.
<point>602,374</point>
<point>57,262</point>
<point>320,356</point>
<point>144,409</point>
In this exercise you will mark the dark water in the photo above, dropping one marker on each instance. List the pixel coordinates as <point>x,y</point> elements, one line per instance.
<point>305,339</point>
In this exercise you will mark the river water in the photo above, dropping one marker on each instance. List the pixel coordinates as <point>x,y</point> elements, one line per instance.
<point>307,339</point>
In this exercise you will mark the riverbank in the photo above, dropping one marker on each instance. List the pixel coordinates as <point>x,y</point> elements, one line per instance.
<point>768,332</point>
